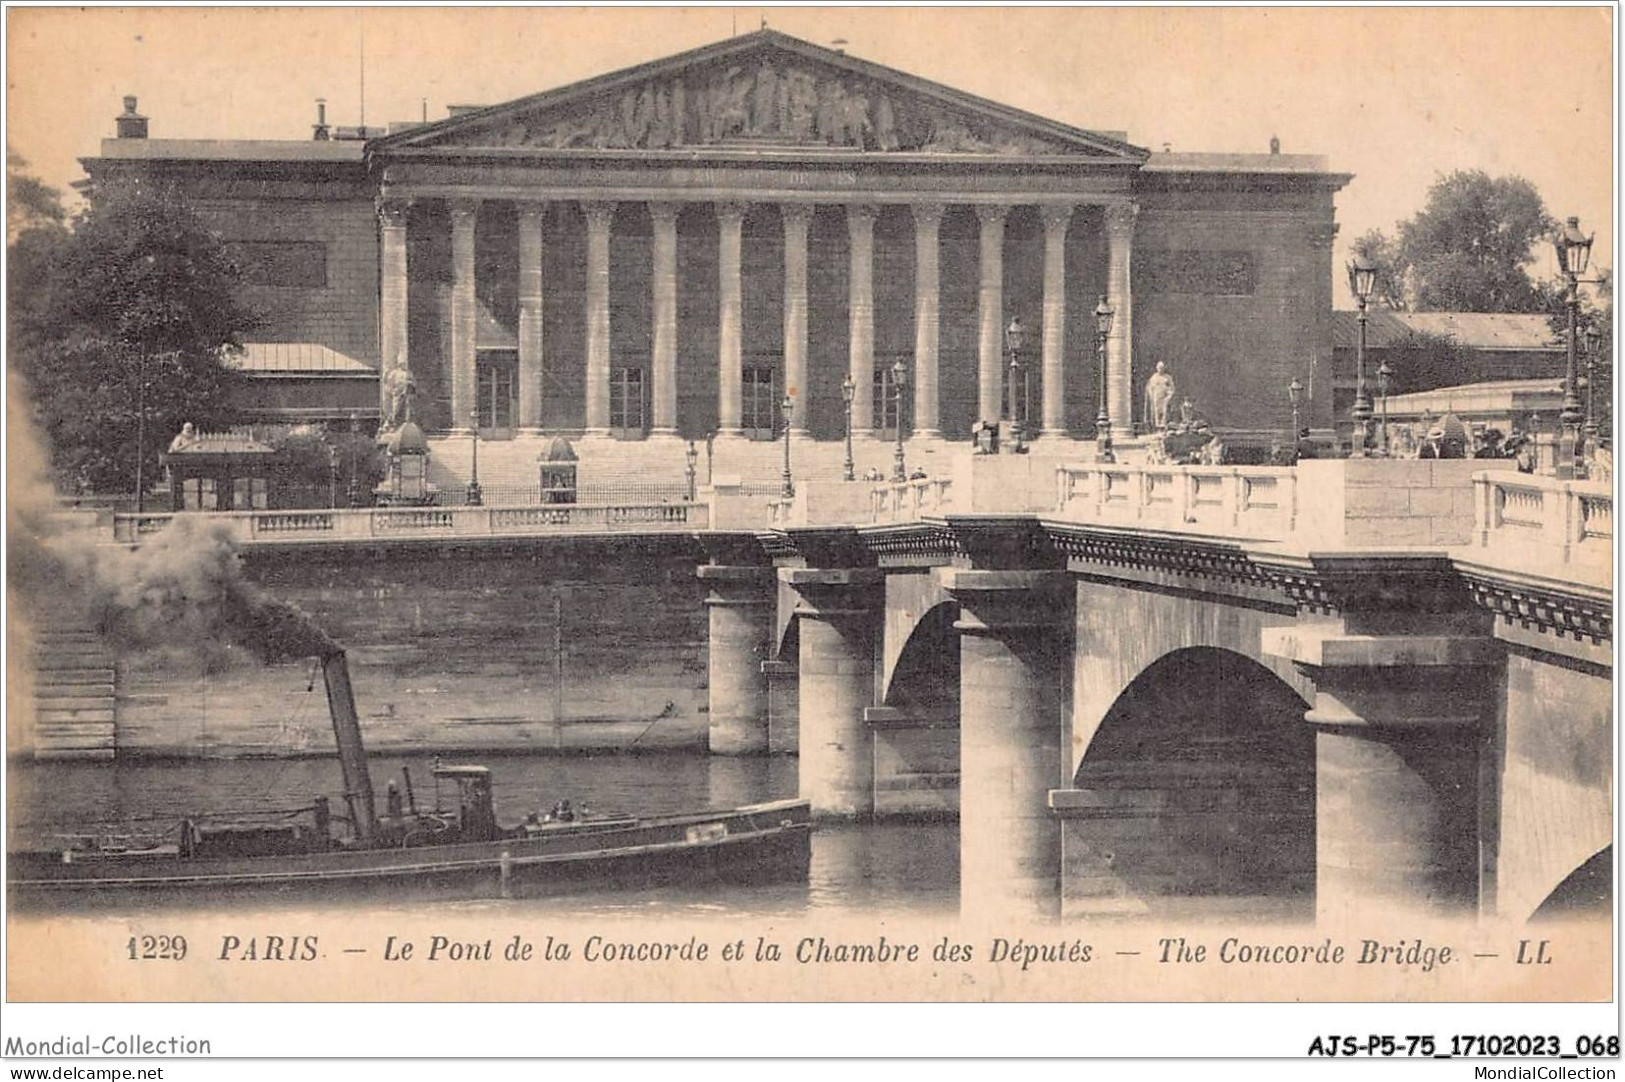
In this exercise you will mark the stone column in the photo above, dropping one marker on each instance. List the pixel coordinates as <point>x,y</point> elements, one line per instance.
<point>392,308</point>
<point>1015,663</point>
<point>1398,721</point>
<point>530,318</point>
<point>1054,410</point>
<point>990,311</point>
<point>599,216</point>
<point>927,298</point>
<point>664,337</point>
<point>860,229</point>
<point>739,603</point>
<point>796,217</point>
<point>464,213</point>
<point>1120,343</point>
<point>840,614</point>
<point>730,313</point>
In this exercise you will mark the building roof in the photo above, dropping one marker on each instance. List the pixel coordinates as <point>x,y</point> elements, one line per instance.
<point>229,442</point>
<point>1496,396</point>
<point>1171,162</point>
<point>1476,330</point>
<point>235,150</point>
<point>296,359</point>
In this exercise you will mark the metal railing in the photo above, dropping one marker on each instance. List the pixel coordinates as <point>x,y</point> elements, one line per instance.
<point>1534,519</point>
<point>1255,502</point>
<point>248,527</point>
<point>909,501</point>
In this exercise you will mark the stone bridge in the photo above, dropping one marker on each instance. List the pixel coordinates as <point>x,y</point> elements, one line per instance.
<point>1273,692</point>
<point>1277,692</point>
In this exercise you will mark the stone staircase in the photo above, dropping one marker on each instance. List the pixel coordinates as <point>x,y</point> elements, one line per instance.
<point>74,700</point>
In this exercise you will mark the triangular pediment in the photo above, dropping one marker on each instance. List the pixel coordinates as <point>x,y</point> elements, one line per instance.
<point>764,91</point>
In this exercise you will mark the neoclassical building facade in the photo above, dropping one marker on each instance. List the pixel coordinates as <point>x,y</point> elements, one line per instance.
<point>676,249</point>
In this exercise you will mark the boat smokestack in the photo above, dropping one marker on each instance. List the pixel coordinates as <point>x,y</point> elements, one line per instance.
<point>352,754</point>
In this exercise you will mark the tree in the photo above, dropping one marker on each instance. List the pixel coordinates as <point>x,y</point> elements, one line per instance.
<point>1466,250</point>
<point>30,202</point>
<point>127,316</point>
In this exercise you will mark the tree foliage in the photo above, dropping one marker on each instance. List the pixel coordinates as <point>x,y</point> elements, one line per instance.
<point>1467,250</point>
<point>125,316</point>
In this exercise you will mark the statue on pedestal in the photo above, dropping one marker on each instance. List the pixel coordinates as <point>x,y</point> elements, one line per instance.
<point>1159,393</point>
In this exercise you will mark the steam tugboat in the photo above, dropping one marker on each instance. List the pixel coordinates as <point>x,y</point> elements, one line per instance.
<point>457,852</point>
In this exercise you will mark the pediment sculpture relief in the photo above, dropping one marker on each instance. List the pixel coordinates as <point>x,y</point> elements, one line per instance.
<point>762,103</point>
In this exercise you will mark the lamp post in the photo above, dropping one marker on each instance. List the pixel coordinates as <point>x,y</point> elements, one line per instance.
<point>692,470</point>
<point>1294,394</point>
<point>140,432</point>
<point>899,374</point>
<point>355,433</point>
<point>1362,280</point>
<point>1015,337</point>
<point>475,496</point>
<point>788,488</point>
<point>1103,422</point>
<point>1573,252</point>
<point>332,474</point>
<point>847,390</point>
<point>1593,337</point>
<point>1384,374</point>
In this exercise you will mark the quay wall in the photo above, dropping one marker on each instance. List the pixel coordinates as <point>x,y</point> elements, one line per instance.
<point>452,648</point>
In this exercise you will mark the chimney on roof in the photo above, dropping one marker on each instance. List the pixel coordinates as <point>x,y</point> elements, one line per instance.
<point>131,124</point>
<point>320,131</point>
<point>1275,144</point>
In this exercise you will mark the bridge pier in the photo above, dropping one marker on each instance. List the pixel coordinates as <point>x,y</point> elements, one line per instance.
<point>1399,722</point>
<point>1015,673</point>
<point>839,612</point>
<point>739,607</point>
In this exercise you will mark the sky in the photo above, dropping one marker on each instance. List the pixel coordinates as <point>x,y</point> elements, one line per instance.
<point>1395,96</point>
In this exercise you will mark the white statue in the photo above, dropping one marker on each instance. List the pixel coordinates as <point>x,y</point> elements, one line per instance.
<point>186,438</point>
<point>1159,393</point>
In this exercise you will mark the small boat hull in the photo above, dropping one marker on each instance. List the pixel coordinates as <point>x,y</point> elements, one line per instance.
<point>762,843</point>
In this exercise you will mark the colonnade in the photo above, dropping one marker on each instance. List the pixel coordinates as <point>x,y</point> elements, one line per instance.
<point>795,218</point>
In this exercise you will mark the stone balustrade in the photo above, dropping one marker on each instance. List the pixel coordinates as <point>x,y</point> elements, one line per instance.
<point>909,501</point>
<point>416,523</point>
<point>1255,502</point>
<point>1523,518</point>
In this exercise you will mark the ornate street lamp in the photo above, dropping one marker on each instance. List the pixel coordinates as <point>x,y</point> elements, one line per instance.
<point>1384,374</point>
<point>899,374</point>
<point>693,457</point>
<point>140,433</point>
<point>848,388</point>
<point>475,496</point>
<point>1362,281</point>
<point>1573,253</point>
<point>1593,337</point>
<point>1103,422</point>
<point>350,494</point>
<point>1015,338</point>
<point>788,488</point>
<point>1294,393</point>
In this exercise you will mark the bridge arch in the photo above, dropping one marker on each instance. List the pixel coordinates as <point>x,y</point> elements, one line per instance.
<point>1196,794</point>
<point>1587,891</point>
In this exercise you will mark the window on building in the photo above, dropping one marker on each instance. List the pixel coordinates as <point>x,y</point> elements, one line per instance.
<point>888,410</point>
<point>198,494</point>
<point>249,494</point>
<point>496,391</point>
<point>759,405</point>
<point>298,264</point>
<point>626,418</point>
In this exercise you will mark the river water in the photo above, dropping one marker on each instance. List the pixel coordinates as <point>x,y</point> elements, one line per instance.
<point>891,867</point>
